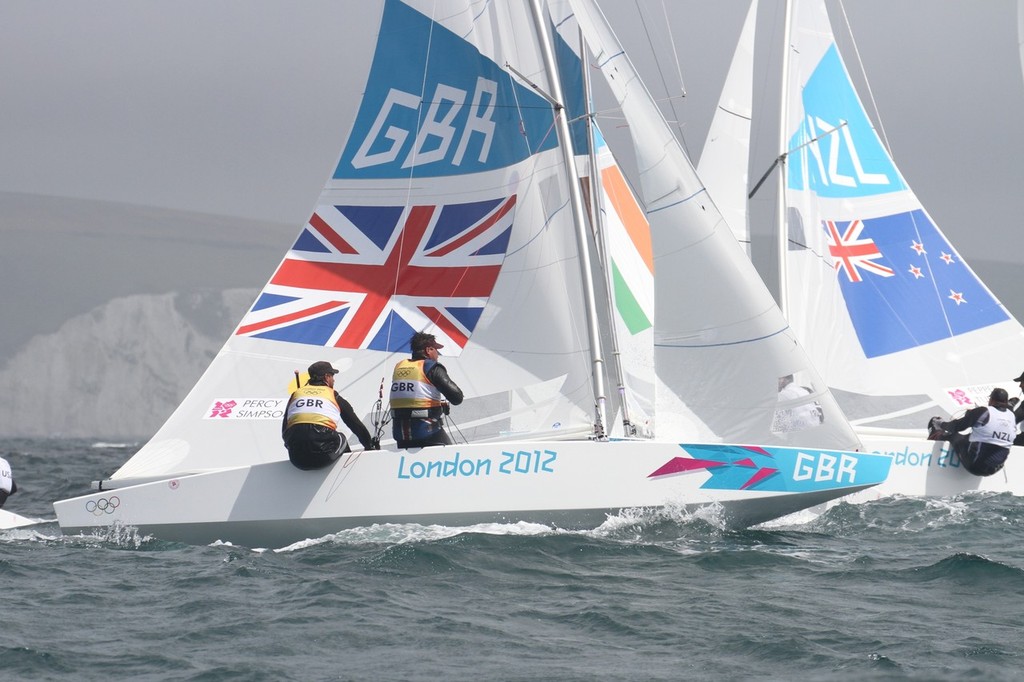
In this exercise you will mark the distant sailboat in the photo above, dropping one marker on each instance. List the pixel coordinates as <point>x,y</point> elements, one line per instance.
<point>894,319</point>
<point>455,207</point>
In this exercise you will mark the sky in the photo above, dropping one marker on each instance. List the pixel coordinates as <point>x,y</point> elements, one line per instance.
<point>227,107</point>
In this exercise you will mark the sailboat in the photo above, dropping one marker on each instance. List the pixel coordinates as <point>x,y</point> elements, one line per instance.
<point>896,322</point>
<point>455,207</point>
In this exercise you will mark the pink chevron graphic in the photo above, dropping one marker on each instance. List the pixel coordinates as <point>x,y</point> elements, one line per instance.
<point>678,465</point>
<point>762,473</point>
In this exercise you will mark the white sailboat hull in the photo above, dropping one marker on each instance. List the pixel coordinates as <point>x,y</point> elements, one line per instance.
<point>567,485</point>
<point>10,520</point>
<point>924,468</point>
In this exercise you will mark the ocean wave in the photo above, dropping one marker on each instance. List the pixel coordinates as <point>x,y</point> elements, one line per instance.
<point>971,570</point>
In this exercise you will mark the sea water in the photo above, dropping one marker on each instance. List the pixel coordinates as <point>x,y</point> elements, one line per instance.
<point>922,589</point>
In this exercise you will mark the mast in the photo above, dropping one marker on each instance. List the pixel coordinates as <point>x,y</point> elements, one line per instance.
<point>596,189</point>
<point>582,242</point>
<point>783,235</point>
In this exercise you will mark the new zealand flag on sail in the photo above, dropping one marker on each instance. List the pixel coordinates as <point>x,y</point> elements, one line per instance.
<point>904,284</point>
<point>370,276</point>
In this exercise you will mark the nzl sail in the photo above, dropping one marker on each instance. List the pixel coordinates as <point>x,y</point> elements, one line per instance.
<point>898,324</point>
<point>896,321</point>
<point>454,207</point>
<point>888,308</point>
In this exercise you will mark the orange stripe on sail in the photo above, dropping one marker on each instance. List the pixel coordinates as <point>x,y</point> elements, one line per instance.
<point>637,228</point>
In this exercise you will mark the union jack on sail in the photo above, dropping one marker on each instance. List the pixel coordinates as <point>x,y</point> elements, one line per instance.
<point>853,252</point>
<point>370,276</point>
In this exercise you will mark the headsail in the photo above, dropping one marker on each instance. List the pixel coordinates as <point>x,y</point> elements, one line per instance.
<point>720,351</point>
<point>725,160</point>
<point>623,238</point>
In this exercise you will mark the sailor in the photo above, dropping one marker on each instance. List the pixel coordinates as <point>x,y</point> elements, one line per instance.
<point>800,417</point>
<point>7,484</point>
<point>417,388</point>
<point>311,420</point>
<point>984,451</point>
<point>1018,411</point>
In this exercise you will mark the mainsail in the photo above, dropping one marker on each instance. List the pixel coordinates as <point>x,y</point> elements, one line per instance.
<point>447,210</point>
<point>455,207</point>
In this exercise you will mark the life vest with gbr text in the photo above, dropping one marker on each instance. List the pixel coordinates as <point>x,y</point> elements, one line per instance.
<point>314,405</point>
<point>410,387</point>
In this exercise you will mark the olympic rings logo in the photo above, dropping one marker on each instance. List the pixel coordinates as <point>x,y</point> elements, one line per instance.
<point>103,505</point>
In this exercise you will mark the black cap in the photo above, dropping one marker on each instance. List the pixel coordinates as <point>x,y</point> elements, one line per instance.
<point>321,368</point>
<point>999,395</point>
<point>1020,378</point>
<point>422,340</point>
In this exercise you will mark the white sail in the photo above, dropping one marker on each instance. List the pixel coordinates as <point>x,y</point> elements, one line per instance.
<point>452,209</point>
<point>721,349</point>
<point>724,162</point>
<point>624,244</point>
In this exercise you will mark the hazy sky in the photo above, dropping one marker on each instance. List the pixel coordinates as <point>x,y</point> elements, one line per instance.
<point>228,106</point>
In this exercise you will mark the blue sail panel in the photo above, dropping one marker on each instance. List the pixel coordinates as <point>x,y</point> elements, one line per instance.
<point>904,284</point>
<point>835,152</point>
<point>435,106</point>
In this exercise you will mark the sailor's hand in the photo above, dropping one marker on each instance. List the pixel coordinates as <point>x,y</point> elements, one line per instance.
<point>374,444</point>
<point>446,408</point>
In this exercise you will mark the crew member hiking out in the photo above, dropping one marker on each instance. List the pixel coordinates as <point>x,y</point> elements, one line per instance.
<point>417,387</point>
<point>311,420</point>
<point>984,451</point>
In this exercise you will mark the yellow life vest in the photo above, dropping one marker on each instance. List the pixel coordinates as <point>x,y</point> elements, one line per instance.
<point>410,387</point>
<point>314,405</point>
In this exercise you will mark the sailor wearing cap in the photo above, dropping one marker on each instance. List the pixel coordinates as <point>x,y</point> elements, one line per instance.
<point>417,388</point>
<point>311,420</point>
<point>984,451</point>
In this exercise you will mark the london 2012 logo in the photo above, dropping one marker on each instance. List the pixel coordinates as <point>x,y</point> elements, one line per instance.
<point>103,505</point>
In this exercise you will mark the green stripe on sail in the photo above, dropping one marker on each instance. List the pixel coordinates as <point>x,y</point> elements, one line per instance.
<point>629,309</point>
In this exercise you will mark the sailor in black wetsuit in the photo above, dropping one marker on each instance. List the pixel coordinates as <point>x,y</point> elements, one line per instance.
<point>984,451</point>
<point>311,420</point>
<point>417,386</point>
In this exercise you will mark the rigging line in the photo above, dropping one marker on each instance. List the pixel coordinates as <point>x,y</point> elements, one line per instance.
<point>781,157</point>
<point>400,247</point>
<point>661,72</point>
<point>864,77</point>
